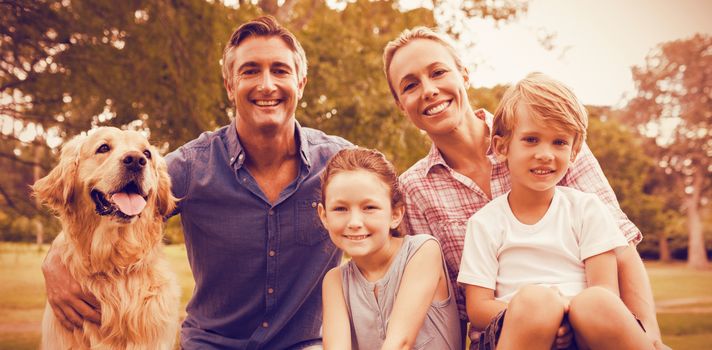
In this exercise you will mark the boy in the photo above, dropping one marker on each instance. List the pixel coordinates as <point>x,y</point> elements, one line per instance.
<point>542,255</point>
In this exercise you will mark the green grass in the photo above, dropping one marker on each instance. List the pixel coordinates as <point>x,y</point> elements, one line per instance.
<point>22,297</point>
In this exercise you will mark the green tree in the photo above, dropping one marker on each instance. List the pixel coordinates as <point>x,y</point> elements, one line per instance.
<point>675,93</point>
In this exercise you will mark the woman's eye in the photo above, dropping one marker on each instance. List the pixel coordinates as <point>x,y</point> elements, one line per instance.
<point>103,149</point>
<point>408,86</point>
<point>147,153</point>
<point>439,72</point>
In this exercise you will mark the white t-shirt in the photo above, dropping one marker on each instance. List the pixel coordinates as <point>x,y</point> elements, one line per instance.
<point>503,254</point>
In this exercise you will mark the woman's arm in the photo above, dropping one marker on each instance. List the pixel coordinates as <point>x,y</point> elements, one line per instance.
<point>418,287</point>
<point>481,306</point>
<point>336,326</point>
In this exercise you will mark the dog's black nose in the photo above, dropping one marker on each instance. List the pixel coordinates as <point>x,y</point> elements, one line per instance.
<point>134,161</point>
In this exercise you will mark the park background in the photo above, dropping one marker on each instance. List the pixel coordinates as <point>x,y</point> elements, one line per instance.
<point>154,65</point>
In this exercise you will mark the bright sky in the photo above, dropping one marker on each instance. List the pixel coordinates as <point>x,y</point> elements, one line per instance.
<point>596,42</point>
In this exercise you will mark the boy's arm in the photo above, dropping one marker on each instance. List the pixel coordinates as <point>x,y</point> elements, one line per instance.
<point>601,271</point>
<point>481,306</point>
<point>635,290</point>
<point>416,292</point>
<point>336,326</point>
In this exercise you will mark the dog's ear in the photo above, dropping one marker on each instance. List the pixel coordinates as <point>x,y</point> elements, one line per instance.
<point>58,187</point>
<point>165,202</point>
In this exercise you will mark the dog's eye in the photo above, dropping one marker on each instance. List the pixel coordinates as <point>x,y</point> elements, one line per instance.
<point>103,149</point>
<point>147,153</point>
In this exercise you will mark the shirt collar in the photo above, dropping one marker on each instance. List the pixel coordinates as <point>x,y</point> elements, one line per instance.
<point>237,153</point>
<point>435,158</point>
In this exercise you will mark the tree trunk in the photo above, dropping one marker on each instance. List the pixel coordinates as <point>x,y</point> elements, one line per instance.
<point>664,248</point>
<point>696,251</point>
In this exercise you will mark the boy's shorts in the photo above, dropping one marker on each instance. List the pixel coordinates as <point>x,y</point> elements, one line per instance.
<point>490,336</point>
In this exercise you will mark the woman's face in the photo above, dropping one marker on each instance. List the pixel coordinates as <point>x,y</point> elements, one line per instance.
<point>431,89</point>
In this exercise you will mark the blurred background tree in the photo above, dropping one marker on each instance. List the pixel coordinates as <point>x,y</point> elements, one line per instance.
<point>151,65</point>
<point>673,106</point>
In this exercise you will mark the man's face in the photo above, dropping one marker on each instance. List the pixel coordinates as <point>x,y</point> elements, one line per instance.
<point>263,84</point>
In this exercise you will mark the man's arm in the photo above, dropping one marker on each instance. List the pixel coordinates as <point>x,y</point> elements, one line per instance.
<point>70,305</point>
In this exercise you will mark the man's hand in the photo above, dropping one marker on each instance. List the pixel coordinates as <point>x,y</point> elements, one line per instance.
<point>71,306</point>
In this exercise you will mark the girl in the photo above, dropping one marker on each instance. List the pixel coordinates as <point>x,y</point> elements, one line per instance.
<point>394,293</point>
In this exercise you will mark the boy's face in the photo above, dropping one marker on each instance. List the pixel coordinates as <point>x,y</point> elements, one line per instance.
<point>538,155</point>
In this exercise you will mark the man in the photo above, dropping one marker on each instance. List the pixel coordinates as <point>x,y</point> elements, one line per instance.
<point>248,208</point>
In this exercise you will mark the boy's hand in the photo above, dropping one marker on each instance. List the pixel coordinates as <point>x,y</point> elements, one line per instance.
<point>564,336</point>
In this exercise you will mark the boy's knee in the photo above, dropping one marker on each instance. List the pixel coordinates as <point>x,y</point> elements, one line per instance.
<point>535,301</point>
<point>594,303</point>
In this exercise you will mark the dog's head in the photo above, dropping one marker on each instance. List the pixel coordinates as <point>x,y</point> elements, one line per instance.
<point>116,172</point>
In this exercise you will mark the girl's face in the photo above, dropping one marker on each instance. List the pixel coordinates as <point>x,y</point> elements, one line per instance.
<point>357,213</point>
<point>431,90</point>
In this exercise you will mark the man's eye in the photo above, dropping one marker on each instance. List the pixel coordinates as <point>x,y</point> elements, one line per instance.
<point>103,149</point>
<point>147,153</point>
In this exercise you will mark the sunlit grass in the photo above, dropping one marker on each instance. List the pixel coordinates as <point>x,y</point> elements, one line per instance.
<point>22,297</point>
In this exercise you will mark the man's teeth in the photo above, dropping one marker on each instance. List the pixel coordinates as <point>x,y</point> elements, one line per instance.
<point>266,103</point>
<point>542,171</point>
<point>356,238</point>
<point>438,108</point>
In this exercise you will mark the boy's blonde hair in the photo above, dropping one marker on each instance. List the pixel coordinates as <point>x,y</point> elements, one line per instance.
<point>549,101</point>
<point>406,37</point>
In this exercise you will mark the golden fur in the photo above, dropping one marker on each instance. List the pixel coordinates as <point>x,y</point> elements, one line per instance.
<point>117,258</point>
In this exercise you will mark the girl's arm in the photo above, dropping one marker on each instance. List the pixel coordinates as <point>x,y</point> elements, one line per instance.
<point>601,271</point>
<point>416,292</point>
<point>336,326</point>
<point>481,306</point>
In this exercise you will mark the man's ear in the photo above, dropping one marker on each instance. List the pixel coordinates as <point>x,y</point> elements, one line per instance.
<point>499,147</point>
<point>301,85</point>
<point>228,88</point>
<point>57,189</point>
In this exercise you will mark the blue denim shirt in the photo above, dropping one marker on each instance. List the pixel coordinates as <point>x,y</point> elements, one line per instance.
<point>257,266</point>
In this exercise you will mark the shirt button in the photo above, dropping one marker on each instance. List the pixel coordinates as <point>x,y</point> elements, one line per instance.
<point>270,212</point>
<point>232,159</point>
<point>272,253</point>
<point>270,290</point>
<point>314,204</point>
<point>241,157</point>
<point>265,324</point>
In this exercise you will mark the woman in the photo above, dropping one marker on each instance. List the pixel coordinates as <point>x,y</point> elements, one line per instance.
<point>460,175</point>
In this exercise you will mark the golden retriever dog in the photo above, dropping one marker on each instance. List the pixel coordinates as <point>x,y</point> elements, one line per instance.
<point>111,191</point>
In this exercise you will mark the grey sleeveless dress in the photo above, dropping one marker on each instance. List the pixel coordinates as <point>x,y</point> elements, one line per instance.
<point>369,316</point>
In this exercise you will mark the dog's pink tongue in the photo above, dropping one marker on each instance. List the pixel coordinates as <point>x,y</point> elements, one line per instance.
<point>129,204</point>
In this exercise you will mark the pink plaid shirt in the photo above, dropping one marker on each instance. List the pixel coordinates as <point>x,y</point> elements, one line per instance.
<point>439,201</point>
